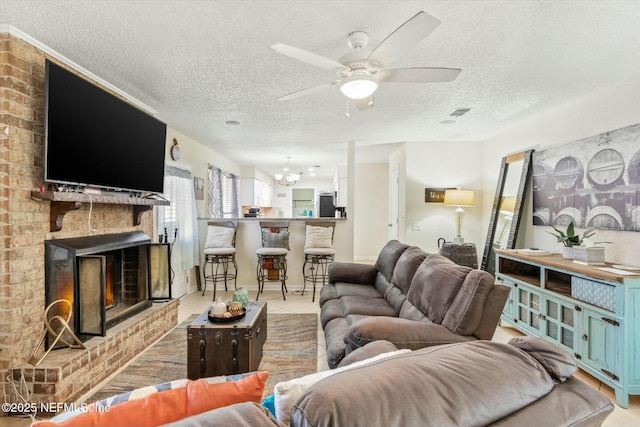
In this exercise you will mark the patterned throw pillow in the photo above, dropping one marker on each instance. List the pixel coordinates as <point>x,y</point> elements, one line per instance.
<point>275,240</point>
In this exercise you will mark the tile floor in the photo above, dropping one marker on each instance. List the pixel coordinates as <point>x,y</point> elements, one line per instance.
<point>296,303</point>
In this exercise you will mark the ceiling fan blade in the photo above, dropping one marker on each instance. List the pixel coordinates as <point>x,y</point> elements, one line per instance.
<point>306,91</point>
<point>306,56</point>
<point>420,75</point>
<point>404,38</point>
<point>364,103</point>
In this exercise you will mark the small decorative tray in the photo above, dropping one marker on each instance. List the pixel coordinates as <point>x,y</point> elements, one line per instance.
<point>222,319</point>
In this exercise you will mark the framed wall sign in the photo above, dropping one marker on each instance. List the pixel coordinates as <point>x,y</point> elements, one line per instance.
<point>435,195</point>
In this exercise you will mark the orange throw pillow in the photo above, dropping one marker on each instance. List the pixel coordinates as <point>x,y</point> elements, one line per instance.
<point>171,405</point>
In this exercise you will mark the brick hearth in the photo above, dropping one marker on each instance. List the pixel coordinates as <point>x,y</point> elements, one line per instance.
<point>67,374</point>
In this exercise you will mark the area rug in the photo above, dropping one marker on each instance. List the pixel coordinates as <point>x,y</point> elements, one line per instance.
<point>289,352</point>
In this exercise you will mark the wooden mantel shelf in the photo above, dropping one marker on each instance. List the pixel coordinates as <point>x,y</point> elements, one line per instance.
<point>62,202</point>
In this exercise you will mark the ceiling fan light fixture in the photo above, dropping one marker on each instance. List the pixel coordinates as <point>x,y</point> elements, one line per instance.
<point>358,86</point>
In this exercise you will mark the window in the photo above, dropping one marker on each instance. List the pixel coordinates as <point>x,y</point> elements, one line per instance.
<point>222,193</point>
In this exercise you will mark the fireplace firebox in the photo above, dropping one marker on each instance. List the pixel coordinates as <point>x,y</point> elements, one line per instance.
<point>107,279</point>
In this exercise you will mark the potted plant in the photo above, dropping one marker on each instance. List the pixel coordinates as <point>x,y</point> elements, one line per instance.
<point>569,239</point>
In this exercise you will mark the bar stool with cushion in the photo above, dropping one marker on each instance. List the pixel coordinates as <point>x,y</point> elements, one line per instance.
<point>220,251</point>
<point>318,253</point>
<point>272,256</point>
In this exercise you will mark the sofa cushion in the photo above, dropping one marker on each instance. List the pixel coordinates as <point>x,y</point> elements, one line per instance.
<point>245,414</point>
<point>560,365</point>
<point>334,333</point>
<point>351,273</point>
<point>368,351</point>
<point>467,307</point>
<point>388,258</point>
<point>435,285</point>
<point>288,392</point>
<point>451,385</point>
<point>406,267</point>
<point>366,305</point>
<point>572,403</point>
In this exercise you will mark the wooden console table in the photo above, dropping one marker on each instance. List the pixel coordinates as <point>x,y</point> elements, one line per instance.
<point>63,202</point>
<point>591,313</point>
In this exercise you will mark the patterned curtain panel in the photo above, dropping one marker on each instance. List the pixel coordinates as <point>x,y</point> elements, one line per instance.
<point>223,190</point>
<point>235,213</point>
<point>214,192</point>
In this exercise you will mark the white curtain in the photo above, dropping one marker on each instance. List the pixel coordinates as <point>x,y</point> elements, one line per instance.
<point>181,216</point>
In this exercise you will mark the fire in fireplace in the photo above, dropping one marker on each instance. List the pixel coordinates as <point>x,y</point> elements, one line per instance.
<point>107,278</point>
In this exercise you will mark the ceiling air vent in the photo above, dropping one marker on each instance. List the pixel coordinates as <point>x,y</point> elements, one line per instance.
<point>460,112</point>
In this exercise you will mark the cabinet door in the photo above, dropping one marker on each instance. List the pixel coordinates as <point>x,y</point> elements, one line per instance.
<point>602,343</point>
<point>527,308</point>
<point>560,323</point>
<point>507,311</point>
<point>257,193</point>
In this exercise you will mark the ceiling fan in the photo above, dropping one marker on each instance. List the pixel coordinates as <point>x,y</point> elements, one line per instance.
<point>360,72</point>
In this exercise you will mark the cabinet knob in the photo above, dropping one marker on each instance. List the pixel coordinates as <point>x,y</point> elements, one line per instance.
<point>585,337</point>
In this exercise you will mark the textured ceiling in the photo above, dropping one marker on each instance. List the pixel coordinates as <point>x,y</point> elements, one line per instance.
<point>202,63</point>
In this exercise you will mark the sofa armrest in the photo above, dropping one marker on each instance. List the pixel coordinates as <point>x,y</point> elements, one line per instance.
<point>350,272</point>
<point>403,333</point>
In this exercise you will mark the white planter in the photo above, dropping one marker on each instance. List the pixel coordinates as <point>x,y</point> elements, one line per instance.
<point>567,252</point>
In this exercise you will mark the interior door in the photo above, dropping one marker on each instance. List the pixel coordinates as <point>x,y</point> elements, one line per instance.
<point>393,204</point>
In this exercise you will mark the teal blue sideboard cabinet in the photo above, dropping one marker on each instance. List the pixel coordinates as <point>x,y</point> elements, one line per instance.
<point>591,313</point>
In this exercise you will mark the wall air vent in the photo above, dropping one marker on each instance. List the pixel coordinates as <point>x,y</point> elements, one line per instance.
<point>460,112</point>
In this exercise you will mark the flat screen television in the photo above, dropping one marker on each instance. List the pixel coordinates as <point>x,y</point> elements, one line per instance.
<point>95,139</point>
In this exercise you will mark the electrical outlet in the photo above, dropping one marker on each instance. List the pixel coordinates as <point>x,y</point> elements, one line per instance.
<point>415,226</point>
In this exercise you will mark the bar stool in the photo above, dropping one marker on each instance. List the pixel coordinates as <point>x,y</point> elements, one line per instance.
<point>272,256</point>
<point>220,251</point>
<point>318,253</point>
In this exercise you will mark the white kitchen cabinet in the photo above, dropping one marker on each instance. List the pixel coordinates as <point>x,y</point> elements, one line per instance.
<point>251,191</point>
<point>256,193</point>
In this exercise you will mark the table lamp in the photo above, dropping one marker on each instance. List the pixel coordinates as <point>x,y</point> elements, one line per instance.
<point>459,198</point>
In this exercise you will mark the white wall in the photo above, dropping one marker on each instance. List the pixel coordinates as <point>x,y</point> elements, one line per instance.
<point>591,115</point>
<point>371,210</point>
<point>197,156</point>
<point>398,160</point>
<point>442,165</point>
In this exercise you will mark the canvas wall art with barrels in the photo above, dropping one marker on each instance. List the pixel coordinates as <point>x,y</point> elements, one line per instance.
<point>594,182</point>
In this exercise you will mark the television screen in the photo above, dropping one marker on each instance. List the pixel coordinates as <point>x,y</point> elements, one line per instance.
<point>94,138</point>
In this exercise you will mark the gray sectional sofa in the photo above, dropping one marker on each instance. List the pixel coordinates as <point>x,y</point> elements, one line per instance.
<point>409,297</point>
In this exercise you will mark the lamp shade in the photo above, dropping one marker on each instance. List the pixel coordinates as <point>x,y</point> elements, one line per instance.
<point>459,197</point>
<point>508,205</point>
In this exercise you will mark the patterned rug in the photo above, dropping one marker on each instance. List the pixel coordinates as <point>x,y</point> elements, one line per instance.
<point>289,352</point>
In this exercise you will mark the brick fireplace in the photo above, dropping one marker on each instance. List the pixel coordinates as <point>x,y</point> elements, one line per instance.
<point>66,374</point>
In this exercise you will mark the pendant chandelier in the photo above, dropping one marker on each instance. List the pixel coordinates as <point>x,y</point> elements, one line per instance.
<point>290,178</point>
